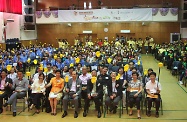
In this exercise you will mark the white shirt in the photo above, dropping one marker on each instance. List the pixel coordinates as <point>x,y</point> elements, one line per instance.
<point>73,87</point>
<point>37,87</point>
<point>114,87</point>
<point>85,78</point>
<point>153,86</point>
<point>12,76</point>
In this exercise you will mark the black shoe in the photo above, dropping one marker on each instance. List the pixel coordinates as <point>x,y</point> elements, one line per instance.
<point>1,110</point>
<point>157,115</point>
<point>149,113</point>
<point>115,110</point>
<point>84,114</point>
<point>5,105</point>
<point>14,114</point>
<point>75,114</point>
<point>99,115</point>
<point>64,114</point>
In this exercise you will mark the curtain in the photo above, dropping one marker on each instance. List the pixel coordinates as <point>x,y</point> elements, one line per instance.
<point>11,6</point>
<point>2,5</point>
<point>14,6</point>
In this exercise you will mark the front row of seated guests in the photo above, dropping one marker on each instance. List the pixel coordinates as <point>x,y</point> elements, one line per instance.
<point>73,90</point>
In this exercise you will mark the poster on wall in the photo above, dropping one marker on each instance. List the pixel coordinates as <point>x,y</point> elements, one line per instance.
<point>105,15</point>
<point>1,28</point>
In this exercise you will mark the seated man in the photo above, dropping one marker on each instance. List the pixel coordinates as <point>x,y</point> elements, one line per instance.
<point>5,87</point>
<point>153,89</point>
<point>114,88</point>
<point>95,93</point>
<point>20,87</point>
<point>72,91</point>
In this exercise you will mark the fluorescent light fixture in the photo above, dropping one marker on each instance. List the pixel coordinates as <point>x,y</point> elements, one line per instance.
<point>125,31</point>
<point>87,31</point>
<point>84,5</point>
<point>90,5</point>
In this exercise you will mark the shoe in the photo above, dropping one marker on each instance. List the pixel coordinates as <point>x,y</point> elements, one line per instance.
<point>180,82</point>
<point>55,114</point>
<point>64,114</point>
<point>149,113</point>
<point>99,115</point>
<point>157,115</point>
<point>31,107</point>
<point>75,114</point>
<point>5,105</point>
<point>115,110</point>
<point>130,114</point>
<point>84,114</point>
<point>14,114</point>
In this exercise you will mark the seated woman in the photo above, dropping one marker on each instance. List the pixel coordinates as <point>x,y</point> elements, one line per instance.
<point>153,88</point>
<point>38,89</point>
<point>56,91</point>
<point>135,89</point>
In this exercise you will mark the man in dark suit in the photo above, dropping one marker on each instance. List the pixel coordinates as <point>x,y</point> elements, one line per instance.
<point>72,92</point>
<point>5,87</point>
<point>95,93</point>
<point>114,88</point>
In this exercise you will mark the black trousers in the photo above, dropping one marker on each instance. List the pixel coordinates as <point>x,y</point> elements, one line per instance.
<point>133,100</point>
<point>37,99</point>
<point>1,99</point>
<point>157,103</point>
<point>96,100</point>
<point>47,103</point>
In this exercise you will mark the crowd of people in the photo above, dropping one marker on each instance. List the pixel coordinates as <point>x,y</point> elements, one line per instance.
<point>103,73</point>
<point>173,55</point>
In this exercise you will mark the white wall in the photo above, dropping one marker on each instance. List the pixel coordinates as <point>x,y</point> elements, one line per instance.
<point>1,27</point>
<point>183,32</point>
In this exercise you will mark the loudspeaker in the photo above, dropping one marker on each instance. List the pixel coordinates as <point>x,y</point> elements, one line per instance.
<point>28,18</point>
<point>184,15</point>
<point>183,24</point>
<point>185,6</point>
<point>28,10</point>
<point>29,27</point>
<point>28,2</point>
<point>174,37</point>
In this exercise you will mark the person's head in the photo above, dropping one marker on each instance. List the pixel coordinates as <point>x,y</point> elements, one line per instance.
<point>74,75</point>
<point>79,66</point>
<point>12,70</point>
<point>65,69</point>
<point>3,73</point>
<point>58,73</point>
<point>152,76</point>
<point>41,76</point>
<point>149,71</point>
<point>94,73</point>
<point>54,68</point>
<point>71,69</point>
<point>135,75</point>
<point>113,75</point>
<point>20,74</point>
<point>40,70</point>
<point>105,69</point>
<point>49,66</point>
<point>184,58</point>
<point>134,69</point>
<point>121,71</point>
<point>84,70</point>
<point>88,68</point>
<point>131,64</point>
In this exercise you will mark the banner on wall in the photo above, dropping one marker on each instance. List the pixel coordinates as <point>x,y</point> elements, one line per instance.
<point>105,15</point>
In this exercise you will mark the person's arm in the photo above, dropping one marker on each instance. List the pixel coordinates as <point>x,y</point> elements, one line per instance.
<point>62,87</point>
<point>25,86</point>
<point>80,88</point>
<point>49,84</point>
